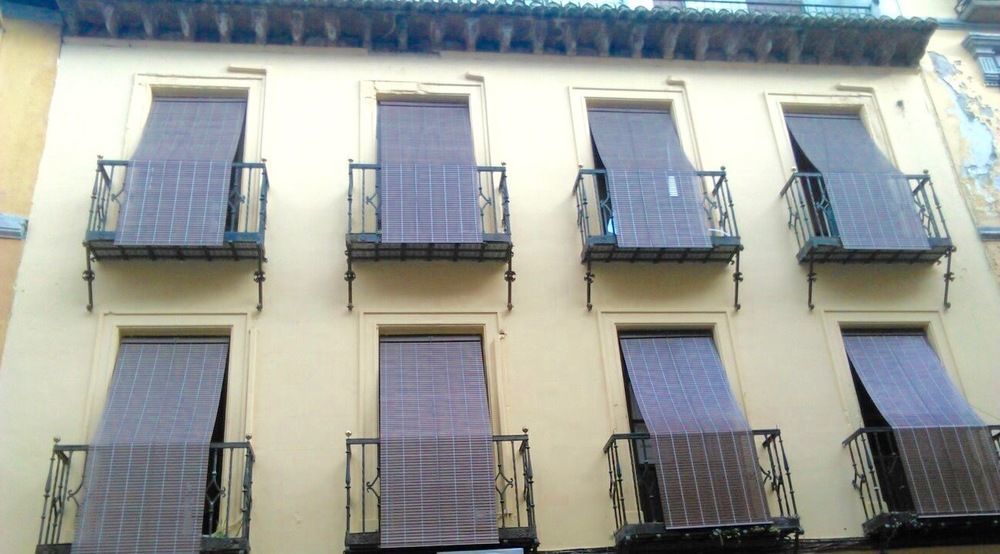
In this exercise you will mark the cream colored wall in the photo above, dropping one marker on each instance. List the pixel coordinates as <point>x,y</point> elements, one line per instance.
<point>307,352</point>
<point>28,52</point>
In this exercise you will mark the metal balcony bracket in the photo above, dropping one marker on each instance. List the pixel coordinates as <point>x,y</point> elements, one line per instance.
<point>350,276</point>
<point>737,279</point>
<point>259,278</point>
<point>88,276</point>
<point>811,277</point>
<point>949,276</point>
<point>510,275</point>
<point>589,278</point>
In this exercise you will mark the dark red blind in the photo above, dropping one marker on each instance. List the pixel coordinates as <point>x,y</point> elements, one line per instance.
<point>950,463</point>
<point>146,467</point>
<point>436,455</point>
<point>703,449</point>
<point>656,196</point>
<point>177,184</point>
<point>871,200</point>
<point>429,186</point>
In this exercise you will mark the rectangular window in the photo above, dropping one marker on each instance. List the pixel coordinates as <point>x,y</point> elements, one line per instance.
<point>436,443</point>
<point>701,449</point>
<point>429,183</point>
<point>652,193</point>
<point>178,181</point>
<point>940,458</point>
<point>147,466</point>
<point>860,196</point>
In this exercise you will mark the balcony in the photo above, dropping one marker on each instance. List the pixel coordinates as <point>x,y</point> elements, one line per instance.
<point>879,477</point>
<point>596,222</point>
<point>365,218</point>
<point>635,499</point>
<point>811,219</point>
<point>243,239</point>
<point>514,486</point>
<point>228,498</point>
<point>978,11</point>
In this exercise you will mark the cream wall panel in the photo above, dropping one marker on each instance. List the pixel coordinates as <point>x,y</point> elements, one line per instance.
<point>309,350</point>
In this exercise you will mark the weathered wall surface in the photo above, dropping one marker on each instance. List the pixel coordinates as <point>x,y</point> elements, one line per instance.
<point>969,114</point>
<point>307,355</point>
<point>28,52</point>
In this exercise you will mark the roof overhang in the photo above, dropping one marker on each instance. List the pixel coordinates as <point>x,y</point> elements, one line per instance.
<point>512,27</point>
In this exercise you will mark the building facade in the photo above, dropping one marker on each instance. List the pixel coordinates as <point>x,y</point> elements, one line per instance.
<point>29,47</point>
<point>549,253</point>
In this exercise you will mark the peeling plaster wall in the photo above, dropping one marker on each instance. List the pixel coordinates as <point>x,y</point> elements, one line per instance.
<point>969,115</point>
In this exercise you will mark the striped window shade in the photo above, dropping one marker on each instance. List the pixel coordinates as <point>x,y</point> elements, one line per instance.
<point>871,199</point>
<point>436,455</point>
<point>656,194</point>
<point>428,181</point>
<point>146,467</point>
<point>178,180</point>
<point>948,457</point>
<point>702,446</point>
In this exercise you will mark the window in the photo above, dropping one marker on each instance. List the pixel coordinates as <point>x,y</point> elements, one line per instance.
<point>180,177</point>
<point>699,468</point>
<point>429,181</point>
<point>151,451</point>
<point>650,194</point>
<point>939,458</point>
<point>986,49</point>
<point>854,192</point>
<point>436,443</point>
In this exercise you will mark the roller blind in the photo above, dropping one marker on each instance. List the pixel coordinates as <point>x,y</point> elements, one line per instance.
<point>429,185</point>
<point>702,446</point>
<point>871,200</point>
<point>177,182</point>
<point>436,454</point>
<point>950,463</point>
<point>656,195</point>
<point>146,467</point>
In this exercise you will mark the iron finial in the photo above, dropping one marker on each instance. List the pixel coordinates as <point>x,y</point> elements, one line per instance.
<point>524,430</point>
<point>56,439</point>
<point>348,433</point>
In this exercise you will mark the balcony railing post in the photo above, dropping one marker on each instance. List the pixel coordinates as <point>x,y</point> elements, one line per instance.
<point>347,484</point>
<point>505,200</point>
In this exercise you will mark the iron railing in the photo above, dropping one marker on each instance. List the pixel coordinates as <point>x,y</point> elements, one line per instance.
<point>595,215</point>
<point>858,8</point>
<point>633,486</point>
<point>246,213</point>
<point>514,482</point>
<point>810,212</point>
<point>364,206</point>
<point>228,498</point>
<point>879,474</point>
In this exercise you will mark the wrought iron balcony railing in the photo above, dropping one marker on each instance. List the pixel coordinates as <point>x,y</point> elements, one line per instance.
<point>243,239</point>
<point>595,218</point>
<point>812,221</point>
<point>514,483</point>
<point>635,495</point>
<point>880,479</point>
<point>858,8</point>
<point>228,498</point>
<point>365,218</point>
<point>978,11</point>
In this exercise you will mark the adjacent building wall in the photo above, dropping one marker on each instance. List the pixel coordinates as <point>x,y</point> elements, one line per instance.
<point>29,48</point>
<point>306,356</point>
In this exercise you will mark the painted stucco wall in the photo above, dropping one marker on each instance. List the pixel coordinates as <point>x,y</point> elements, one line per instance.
<point>28,53</point>
<point>306,353</point>
<point>969,117</point>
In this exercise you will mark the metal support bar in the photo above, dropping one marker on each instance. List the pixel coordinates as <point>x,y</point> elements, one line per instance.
<point>812,279</point>
<point>350,276</point>
<point>737,279</point>
<point>589,278</point>
<point>88,276</point>
<point>949,276</point>
<point>259,278</point>
<point>510,275</point>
